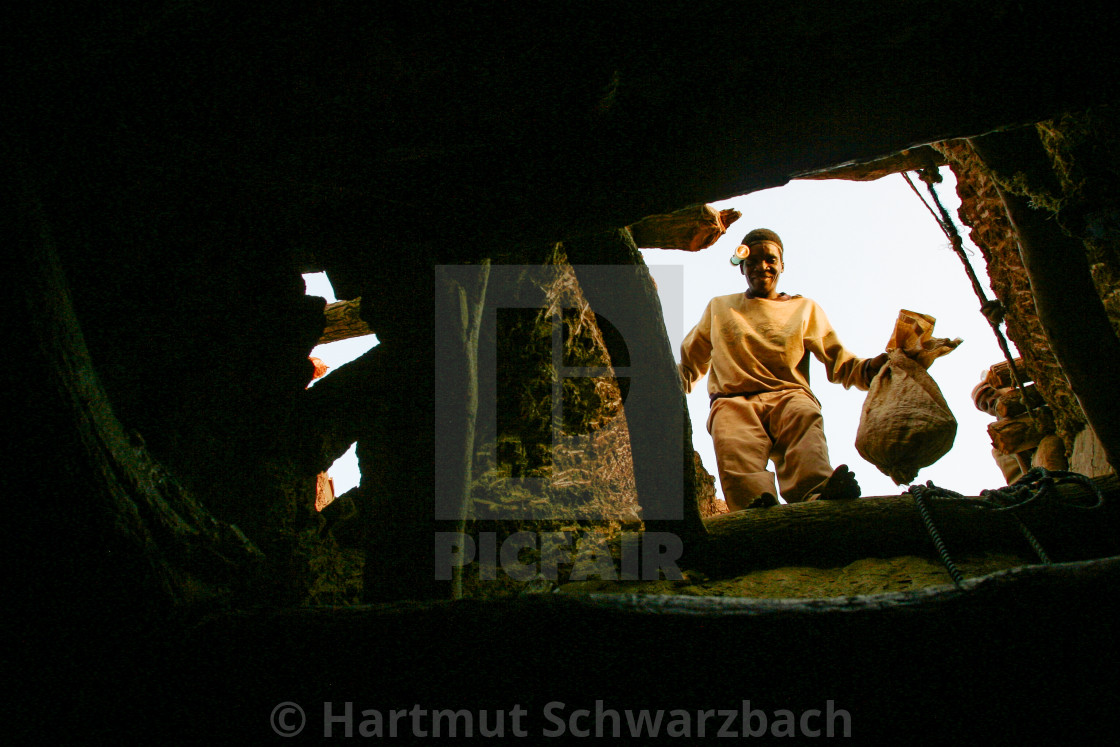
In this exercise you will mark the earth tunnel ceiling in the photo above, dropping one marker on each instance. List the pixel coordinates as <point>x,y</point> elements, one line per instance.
<point>530,123</point>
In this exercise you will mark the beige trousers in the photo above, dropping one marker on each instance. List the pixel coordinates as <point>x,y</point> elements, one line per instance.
<point>785,427</point>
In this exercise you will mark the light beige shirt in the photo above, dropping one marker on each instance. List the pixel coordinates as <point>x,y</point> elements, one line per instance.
<point>756,345</point>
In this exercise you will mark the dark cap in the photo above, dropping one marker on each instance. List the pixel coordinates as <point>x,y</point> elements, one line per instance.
<point>763,234</point>
<point>756,236</point>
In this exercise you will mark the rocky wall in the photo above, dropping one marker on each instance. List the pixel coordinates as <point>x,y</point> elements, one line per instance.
<point>983,213</point>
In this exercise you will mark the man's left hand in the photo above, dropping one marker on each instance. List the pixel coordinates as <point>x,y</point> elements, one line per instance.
<point>876,364</point>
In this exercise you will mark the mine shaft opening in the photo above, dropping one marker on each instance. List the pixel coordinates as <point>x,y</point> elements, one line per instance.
<point>864,250</point>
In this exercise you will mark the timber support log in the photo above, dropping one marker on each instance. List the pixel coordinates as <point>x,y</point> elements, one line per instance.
<point>829,534</point>
<point>344,321</point>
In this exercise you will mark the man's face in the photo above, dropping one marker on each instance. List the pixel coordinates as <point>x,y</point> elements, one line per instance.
<point>762,267</point>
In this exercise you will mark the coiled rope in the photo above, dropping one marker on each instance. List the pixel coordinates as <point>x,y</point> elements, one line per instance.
<point>1037,485</point>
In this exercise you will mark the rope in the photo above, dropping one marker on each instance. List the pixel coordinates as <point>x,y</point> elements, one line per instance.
<point>1033,542</point>
<point>1039,484</point>
<point>949,228</point>
<point>919,493</point>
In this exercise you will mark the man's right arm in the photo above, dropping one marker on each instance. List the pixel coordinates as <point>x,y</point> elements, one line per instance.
<point>696,351</point>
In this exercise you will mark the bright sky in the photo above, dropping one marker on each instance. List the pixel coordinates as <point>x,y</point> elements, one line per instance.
<point>863,251</point>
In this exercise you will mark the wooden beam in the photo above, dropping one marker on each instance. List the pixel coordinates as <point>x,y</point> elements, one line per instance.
<point>1015,434</point>
<point>999,375</point>
<point>344,321</point>
<point>911,159</point>
<point>1010,403</point>
<point>689,229</point>
<point>829,534</point>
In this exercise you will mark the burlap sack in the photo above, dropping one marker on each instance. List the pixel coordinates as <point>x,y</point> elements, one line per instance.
<point>906,424</point>
<point>913,334</point>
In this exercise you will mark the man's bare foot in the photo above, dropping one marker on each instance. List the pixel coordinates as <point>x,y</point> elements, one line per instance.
<point>841,486</point>
<point>766,500</point>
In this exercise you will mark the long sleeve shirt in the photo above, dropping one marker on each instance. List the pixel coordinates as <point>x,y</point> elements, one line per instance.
<point>753,345</point>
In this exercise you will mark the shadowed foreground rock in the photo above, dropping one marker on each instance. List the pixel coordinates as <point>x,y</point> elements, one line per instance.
<point>935,664</point>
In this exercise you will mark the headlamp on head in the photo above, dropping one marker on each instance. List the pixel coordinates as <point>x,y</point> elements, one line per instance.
<point>757,236</point>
